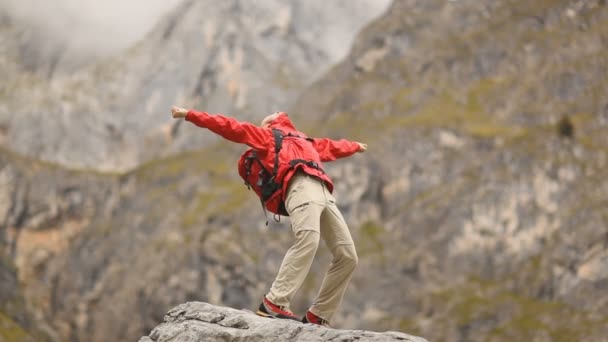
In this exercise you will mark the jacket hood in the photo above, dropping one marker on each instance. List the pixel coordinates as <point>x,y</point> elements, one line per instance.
<point>283,123</point>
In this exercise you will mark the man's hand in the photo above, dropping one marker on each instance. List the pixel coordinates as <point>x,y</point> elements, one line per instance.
<point>178,112</point>
<point>362,147</point>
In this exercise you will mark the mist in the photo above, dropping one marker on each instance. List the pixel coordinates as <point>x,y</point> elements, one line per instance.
<point>84,30</point>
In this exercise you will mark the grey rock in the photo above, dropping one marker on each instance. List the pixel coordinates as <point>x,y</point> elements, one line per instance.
<point>198,322</point>
<point>16,321</point>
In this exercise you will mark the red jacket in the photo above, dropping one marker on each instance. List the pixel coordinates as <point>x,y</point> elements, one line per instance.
<point>262,140</point>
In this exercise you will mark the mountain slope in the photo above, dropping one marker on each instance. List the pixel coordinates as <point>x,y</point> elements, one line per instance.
<point>486,123</point>
<point>243,58</point>
<point>479,211</point>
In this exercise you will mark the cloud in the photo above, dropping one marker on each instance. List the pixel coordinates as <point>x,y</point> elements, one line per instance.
<point>89,27</point>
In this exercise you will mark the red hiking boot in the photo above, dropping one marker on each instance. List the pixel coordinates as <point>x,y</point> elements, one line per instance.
<point>314,319</point>
<point>268,309</point>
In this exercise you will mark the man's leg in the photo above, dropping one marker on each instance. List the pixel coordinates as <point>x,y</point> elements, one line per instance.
<point>294,268</point>
<point>337,237</point>
<point>304,204</point>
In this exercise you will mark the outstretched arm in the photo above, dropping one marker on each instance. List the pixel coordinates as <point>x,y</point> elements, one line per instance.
<point>330,150</point>
<point>227,127</point>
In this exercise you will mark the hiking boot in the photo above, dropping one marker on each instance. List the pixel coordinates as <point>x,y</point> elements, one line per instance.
<point>268,309</point>
<point>310,317</point>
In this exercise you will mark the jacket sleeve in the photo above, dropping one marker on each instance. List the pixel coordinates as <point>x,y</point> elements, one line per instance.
<point>330,150</point>
<point>231,129</point>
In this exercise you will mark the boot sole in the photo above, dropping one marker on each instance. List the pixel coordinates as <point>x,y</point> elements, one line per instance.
<point>263,314</point>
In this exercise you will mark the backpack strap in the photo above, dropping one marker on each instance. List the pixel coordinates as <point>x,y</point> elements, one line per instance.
<point>269,186</point>
<point>278,143</point>
<point>248,161</point>
<point>310,163</point>
<point>301,137</point>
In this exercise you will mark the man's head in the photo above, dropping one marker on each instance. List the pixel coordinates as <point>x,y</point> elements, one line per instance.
<point>269,119</point>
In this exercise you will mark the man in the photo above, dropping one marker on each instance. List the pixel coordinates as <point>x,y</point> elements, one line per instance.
<point>307,194</point>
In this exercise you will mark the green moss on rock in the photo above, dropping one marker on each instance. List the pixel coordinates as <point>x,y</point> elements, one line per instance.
<point>10,331</point>
<point>517,317</point>
<point>369,242</point>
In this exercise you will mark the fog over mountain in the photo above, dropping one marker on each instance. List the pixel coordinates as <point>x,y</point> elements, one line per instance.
<point>82,31</point>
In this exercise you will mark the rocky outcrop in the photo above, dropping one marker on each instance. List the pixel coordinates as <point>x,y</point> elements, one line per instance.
<point>197,321</point>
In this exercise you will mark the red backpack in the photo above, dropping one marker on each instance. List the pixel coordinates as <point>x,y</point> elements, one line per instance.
<point>263,181</point>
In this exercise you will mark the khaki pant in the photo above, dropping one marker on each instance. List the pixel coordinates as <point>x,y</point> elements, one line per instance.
<point>314,214</point>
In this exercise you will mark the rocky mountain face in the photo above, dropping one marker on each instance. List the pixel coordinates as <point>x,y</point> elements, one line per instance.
<point>239,57</point>
<point>484,192</point>
<point>43,208</point>
<point>14,323</point>
<point>196,321</point>
<point>91,245</point>
<point>479,211</point>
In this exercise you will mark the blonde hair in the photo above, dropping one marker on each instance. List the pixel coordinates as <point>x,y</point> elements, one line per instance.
<point>268,119</point>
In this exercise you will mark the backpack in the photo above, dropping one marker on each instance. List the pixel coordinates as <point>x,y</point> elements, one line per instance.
<point>263,181</point>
